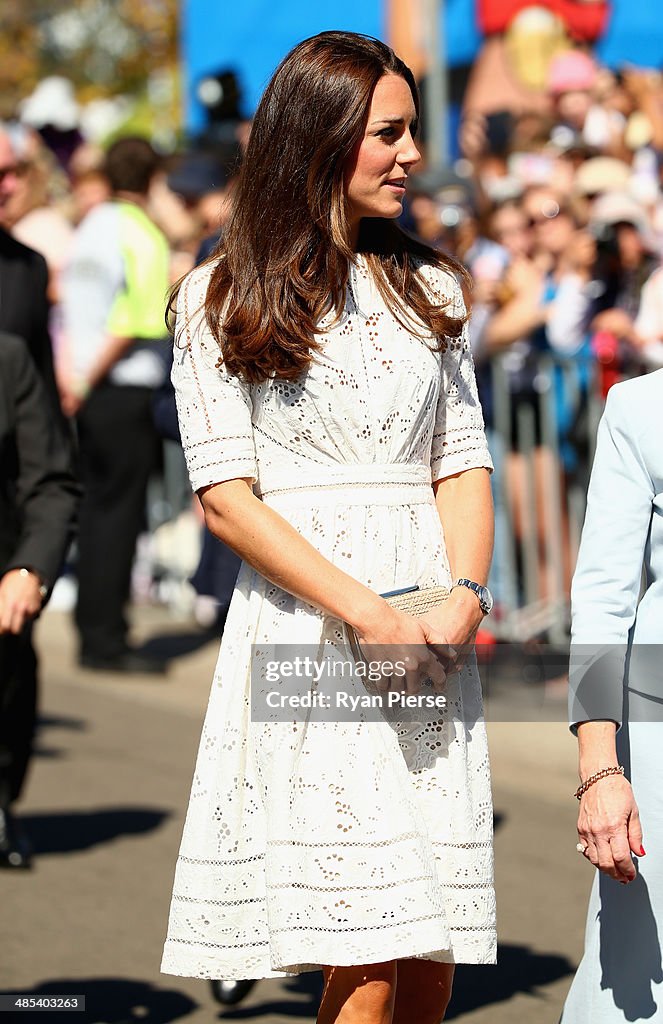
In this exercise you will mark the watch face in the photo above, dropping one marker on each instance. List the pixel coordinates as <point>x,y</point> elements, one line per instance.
<point>486,599</point>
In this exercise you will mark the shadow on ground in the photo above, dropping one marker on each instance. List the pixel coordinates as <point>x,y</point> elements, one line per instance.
<point>112,1001</point>
<point>81,830</point>
<point>51,721</point>
<point>176,645</point>
<point>518,970</point>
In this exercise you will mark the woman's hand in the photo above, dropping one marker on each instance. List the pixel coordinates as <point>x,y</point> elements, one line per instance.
<point>455,624</point>
<point>430,646</point>
<point>20,600</point>
<point>609,826</point>
<point>403,644</point>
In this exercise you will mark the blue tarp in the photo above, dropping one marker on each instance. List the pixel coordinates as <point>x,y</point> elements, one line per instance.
<point>251,36</point>
<point>634,35</point>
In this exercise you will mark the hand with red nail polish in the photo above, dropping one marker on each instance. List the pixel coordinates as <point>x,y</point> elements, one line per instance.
<point>608,820</point>
<point>609,826</point>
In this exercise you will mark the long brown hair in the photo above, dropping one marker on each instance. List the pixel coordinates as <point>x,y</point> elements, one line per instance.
<point>285,251</point>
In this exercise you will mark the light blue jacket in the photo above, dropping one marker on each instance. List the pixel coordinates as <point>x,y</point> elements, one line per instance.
<point>617,637</point>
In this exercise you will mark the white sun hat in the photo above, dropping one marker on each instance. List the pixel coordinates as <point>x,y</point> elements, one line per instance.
<point>52,102</point>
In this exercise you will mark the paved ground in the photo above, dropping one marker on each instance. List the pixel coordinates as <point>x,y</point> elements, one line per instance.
<point>105,807</point>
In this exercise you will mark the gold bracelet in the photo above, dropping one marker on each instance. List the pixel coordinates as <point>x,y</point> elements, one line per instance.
<point>615,770</point>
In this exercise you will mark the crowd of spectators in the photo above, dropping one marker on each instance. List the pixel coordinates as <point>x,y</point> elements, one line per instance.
<point>559,217</point>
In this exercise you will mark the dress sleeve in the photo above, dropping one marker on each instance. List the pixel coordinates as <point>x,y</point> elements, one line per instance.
<point>459,441</point>
<point>213,407</point>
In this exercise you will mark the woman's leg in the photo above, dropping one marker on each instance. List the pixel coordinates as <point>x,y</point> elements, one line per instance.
<point>423,991</point>
<point>358,995</point>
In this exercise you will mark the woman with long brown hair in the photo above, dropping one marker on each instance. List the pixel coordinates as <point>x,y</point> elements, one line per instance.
<point>330,421</point>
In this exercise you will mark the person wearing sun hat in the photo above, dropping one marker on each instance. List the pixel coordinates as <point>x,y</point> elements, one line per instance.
<point>571,71</point>
<point>571,78</point>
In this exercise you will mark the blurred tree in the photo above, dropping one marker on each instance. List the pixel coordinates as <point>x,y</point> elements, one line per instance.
<point>105,47</point>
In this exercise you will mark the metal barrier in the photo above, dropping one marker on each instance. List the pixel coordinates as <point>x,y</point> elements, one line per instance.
<point>539,487</point>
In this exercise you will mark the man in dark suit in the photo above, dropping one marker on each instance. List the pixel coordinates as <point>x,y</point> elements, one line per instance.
<point>38,497</point>
<point>27,563</point>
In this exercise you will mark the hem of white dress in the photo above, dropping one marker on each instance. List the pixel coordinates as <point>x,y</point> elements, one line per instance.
<point>229,974</point>
<point>183,966</point>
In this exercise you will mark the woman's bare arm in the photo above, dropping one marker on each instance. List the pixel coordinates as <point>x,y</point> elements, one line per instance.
<point>597,747</point>
<point>465,506</point>
<point>265,540</point>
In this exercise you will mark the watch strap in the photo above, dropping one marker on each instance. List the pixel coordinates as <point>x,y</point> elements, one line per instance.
<point>476,588</point>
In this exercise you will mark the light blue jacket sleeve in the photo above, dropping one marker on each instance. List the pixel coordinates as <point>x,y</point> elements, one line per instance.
<point>607,580</point>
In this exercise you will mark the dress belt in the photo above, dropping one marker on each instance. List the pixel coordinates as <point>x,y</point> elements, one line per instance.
<point>353,484</point>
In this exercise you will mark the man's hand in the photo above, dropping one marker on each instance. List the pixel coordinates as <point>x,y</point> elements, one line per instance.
<point>20,599</point>
<point>73,392</point>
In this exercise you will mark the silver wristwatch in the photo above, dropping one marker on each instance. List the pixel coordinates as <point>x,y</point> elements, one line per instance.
<point>483,593</point>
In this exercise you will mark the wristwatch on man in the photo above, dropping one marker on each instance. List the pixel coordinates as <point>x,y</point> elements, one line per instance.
<point>483,593</point>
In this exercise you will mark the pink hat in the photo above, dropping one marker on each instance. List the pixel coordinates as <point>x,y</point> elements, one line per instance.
<point>571,70</point>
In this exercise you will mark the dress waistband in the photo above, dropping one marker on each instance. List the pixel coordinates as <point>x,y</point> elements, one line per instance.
<point>359,484</point>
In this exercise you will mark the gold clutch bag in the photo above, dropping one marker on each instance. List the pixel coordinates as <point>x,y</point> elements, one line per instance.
<point>412,600</point>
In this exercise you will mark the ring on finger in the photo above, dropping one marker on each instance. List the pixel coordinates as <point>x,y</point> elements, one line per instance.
<point>581,847</point>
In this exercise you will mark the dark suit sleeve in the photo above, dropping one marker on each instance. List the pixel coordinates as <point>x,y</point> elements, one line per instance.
<point>46,489</point>
<point>40,343</point>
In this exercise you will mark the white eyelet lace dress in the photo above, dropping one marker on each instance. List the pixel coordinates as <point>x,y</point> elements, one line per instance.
<point>316,842</point>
